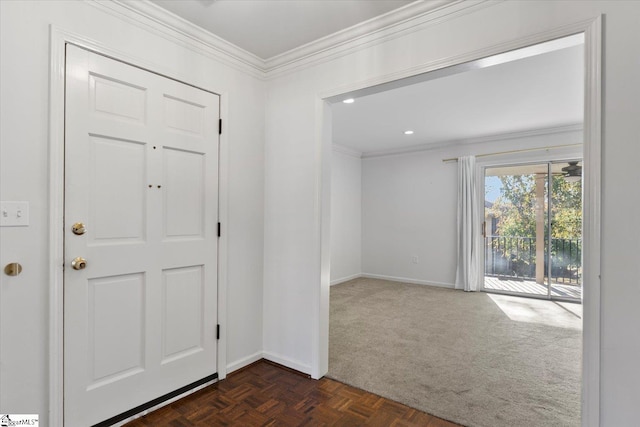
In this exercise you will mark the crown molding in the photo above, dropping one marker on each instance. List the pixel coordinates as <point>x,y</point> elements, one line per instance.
<point>405,20</point>
<point>346,151</point>
<point>469,141</point>
<point>169,26</point>
<point>388,26</point>
<point>391,18</point>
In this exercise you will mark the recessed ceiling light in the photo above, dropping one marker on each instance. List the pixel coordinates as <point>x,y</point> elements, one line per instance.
<point>408,132</point>
<point>349,101</point>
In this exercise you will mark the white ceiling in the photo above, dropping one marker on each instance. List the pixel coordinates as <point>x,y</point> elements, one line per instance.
<point>268,28</point>
<point>542,90</point>
<point>537,92</point>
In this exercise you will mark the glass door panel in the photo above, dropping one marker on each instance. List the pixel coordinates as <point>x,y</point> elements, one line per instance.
<point>516,229</point>
<point>565,257</point>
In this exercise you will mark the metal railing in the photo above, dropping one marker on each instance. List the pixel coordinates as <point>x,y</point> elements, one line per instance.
<point>515,257</point>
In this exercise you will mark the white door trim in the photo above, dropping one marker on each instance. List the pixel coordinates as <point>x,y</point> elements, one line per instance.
<point>592,29</point>
<point>58,40</point>
<point>591,228</point>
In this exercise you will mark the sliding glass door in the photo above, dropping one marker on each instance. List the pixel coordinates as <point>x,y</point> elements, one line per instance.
<point>532,230</point>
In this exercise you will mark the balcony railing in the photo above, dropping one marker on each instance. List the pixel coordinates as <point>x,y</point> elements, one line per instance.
<point>515,257</point>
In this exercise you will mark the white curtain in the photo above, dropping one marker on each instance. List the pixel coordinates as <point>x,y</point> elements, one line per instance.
<point>468,272</point>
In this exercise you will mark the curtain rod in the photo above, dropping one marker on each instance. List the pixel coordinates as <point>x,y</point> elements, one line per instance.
<point>455,159</point>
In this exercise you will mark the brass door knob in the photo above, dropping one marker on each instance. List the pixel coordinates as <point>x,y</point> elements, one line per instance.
<point>12,269</point>
<point>78,228</point>
<point>79,263</point>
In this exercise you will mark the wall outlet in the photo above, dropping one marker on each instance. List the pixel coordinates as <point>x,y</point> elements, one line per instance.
<point>14,214</point>
<point>414,259</point>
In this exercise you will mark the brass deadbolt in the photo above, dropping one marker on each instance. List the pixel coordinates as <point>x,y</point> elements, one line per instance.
<point>12,269</point>
<point>78,228</point>
<point>79,263</point>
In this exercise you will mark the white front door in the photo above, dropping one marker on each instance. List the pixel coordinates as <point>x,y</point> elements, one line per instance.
<point>141,175</point>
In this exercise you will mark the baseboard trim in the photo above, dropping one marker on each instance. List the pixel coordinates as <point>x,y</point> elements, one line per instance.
<point>408,280</point>
<point>345,279</point>
<point>288,363</point>
<point>245,361</point>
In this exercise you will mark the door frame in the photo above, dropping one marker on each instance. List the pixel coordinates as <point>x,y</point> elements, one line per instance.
<point>514,162</point>
<point>592,155</point>
<point>59,38</point>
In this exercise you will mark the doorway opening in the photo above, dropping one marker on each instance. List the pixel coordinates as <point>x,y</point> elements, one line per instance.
<point>458,147</point>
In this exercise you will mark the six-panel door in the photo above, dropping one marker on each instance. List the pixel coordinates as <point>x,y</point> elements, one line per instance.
<point>141,173</point>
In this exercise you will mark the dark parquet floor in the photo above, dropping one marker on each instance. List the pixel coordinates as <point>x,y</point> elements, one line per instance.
<point>265,394</point>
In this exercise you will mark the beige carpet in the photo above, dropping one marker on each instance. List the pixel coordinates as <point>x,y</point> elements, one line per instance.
<point>473,358</point>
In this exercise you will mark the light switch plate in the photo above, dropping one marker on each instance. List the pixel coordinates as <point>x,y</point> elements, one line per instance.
<point>14,214</point>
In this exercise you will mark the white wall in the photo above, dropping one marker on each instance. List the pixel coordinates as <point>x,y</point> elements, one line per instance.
<point>346,216</point>
<point>292,168</point>
<point>24,175</point>
<point>293,165</point>
<point>409,204</point>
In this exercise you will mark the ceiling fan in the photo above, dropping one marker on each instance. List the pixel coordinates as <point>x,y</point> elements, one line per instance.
<point>573,172</point>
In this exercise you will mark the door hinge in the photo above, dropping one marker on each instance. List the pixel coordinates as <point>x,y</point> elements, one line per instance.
<point>219,126</point>
<point>219,227</point>
<point>217,332</point>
